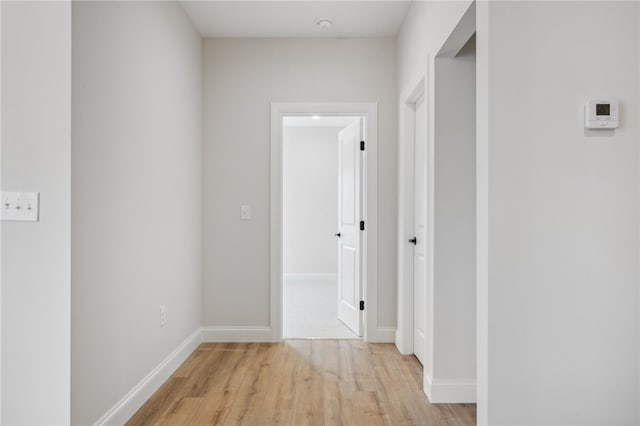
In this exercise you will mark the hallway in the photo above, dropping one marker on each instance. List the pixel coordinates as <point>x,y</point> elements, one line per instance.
<point>483,220</point>
<point>298,382</point>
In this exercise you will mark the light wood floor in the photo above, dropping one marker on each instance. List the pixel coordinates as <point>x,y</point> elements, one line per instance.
<point>299,383</point>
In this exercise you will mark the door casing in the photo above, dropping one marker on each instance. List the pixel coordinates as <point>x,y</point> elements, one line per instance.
<point>369,110</point>
<point>404,335</point>
<point>420,224</point>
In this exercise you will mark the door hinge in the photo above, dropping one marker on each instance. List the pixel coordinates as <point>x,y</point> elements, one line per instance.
<point>361,145</point>
<point>362,305</point>
<point>362,225</point>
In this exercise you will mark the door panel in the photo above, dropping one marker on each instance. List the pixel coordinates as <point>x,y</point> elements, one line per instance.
<point>348,179</point>
<point>420,224</point>
<point>349,276</point>
<point>349,216</point>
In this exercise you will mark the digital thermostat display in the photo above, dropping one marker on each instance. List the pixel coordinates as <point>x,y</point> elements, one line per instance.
<point>601,114</point>
<point>603,109</point>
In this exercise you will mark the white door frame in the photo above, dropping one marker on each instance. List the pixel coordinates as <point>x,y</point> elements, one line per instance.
<point>406,201</point>
<point>370,206</point>
<point>0,222</point>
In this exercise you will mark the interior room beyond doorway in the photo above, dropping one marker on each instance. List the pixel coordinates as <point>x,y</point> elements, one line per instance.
<point>313,190</point>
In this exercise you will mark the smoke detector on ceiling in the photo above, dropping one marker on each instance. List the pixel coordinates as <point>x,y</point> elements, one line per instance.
<point>325,24</point>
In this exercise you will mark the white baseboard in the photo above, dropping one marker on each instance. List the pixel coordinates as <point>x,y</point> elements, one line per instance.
<point>382,335</point>
<point>310,277</point>
<point>236,334</point>
<point>132,401</point>
<point>136,397</point>
<point>402,346</point>
<point>455,391</point>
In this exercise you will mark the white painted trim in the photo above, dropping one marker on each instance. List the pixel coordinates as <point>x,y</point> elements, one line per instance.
<point>460,391</point>
<point>639,240</point>
<point>406,166</point>
<point>429,313</point>
<point>310,277</point>
<point>136,397</point>
<point>370,214</point>
<point>236,334</point>
<point>0,221</point>
<point>383,335</point>
<point>482,212</point>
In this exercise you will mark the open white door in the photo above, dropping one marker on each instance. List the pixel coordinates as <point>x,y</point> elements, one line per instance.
<point>349,234</point>
<point>420,226</point>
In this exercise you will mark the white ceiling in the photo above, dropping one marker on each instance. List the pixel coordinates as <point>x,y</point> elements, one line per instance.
<point>320,121</point>
<point>351,18</point>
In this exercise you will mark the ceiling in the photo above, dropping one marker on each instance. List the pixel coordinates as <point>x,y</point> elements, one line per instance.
<point>268,19</point>
<point>319,121</point>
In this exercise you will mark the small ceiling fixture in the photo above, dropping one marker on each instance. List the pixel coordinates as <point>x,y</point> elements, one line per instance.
<point>325,24</point>
<point>315,117</point>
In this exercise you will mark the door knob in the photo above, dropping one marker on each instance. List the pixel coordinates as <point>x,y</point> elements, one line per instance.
<point>338,235</point>
<point>414,240</point>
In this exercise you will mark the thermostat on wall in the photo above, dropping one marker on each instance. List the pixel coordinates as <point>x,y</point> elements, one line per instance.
<point>601,114</point>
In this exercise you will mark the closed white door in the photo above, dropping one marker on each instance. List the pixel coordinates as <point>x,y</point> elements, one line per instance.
<point>349,233</point>
<point>420,227</point>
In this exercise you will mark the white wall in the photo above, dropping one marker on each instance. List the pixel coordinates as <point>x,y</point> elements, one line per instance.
<point>559,300</point>
<point>449,368</point>
<point>241,78</point>
<point>136,190</point>
<point>36,117</point>
<point>424,31</point>
<point>454,279</point>
<point>310,200</point>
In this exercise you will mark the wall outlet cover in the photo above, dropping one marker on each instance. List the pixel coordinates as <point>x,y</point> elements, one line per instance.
<point>245,212</point>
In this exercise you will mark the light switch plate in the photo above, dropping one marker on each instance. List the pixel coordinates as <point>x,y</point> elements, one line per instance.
<point>163,315</point>
<point>245,212</point>
<point>20,206</point>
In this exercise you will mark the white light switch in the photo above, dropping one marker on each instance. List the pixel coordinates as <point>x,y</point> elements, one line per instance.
<point>163,315</point>
<point>20,206</point>
<point>245,212</point>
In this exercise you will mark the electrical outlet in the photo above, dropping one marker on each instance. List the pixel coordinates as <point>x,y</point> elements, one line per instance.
<point>245,212</point>
<point>163,315</point>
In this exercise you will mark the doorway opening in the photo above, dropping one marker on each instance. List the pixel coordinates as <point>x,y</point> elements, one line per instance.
<point>437,249</point>
<point>451,377</point>
<point>321,203</point>
<point>324,220</point>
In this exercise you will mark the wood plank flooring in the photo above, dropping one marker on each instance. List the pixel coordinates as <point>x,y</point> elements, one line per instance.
<point>298,383</point>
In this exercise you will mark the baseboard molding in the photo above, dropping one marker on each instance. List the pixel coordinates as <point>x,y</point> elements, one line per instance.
<point>310,277</point>
<point>382,335</point>
<point>132,401</point>
<point>124,409</point>
<point>402,345</point>
<point>236,334</point>
<point>456,391</point>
